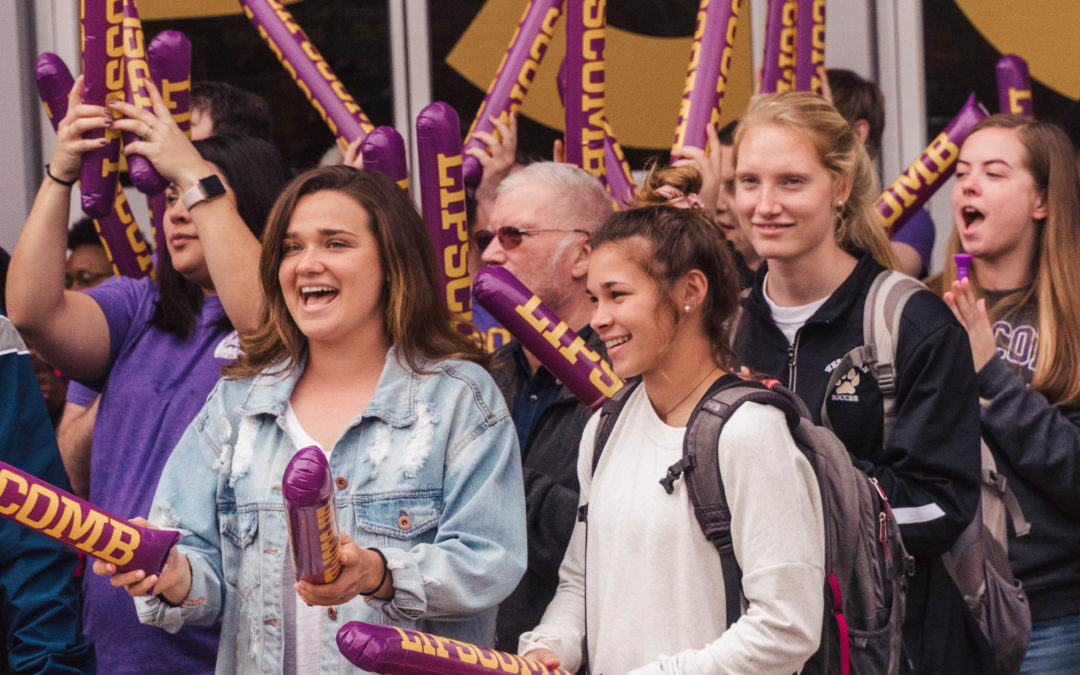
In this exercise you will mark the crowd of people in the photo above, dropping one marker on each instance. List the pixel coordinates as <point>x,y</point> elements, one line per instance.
<point>472,498</point>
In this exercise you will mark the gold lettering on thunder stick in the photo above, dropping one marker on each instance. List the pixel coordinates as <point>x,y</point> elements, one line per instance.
<point>120,550</point>
<point>1015,98</point>
<point>38,492</point>
<point>21,488</point>
<point>78,528</point>
<point>528,312</point>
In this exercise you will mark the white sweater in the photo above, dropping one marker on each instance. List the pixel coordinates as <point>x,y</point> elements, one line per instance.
<point>655,601</point>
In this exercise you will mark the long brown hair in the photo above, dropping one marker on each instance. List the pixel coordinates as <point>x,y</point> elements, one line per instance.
<point>675,242</point>
<point>1055,287</point>
<point>859,228</point>
<point>415,319</point>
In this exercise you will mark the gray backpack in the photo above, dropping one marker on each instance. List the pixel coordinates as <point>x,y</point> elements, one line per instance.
<point>978,561</point>
<point>865,562</point>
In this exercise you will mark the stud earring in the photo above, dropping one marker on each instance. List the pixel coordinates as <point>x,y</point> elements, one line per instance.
<point>686,308</point>
<point>839,203</point>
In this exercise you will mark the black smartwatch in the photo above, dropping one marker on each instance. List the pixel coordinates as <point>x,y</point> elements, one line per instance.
<point>207,188</point>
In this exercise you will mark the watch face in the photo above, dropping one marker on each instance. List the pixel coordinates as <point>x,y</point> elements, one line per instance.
<point>212,186</point>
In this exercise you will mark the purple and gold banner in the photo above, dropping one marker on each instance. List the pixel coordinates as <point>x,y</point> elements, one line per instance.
<point>383,150</point>
<point>309,70</point>
<point>810,47</point>
<point>586,23</point>
<point>119,233</point>
<point>935,165</point>
<point>442,201</point>
<point>79,525</point>
<point>311,514</point>
<point>103,80</point>
<point>781,32</point>
<point>1014,86</point>
<point>707,73</point>
<point>539,330</point>
<point>513,77</point>
<point>388,649</point>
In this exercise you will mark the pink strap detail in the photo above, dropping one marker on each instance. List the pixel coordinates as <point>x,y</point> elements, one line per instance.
<point>841,625</point>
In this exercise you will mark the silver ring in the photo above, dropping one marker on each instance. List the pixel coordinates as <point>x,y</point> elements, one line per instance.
<point>149,130</point>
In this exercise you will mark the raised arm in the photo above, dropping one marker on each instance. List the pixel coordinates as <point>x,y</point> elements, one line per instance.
<point>231,251</point>
<point>68,328</point>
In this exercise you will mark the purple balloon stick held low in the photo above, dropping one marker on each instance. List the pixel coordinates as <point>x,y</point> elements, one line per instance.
<point>538,329</point>
<point>389,649</point>
<point>79,525</point>
<point>963,265</point>
<point>310,511</point>
<point>1014,86</point>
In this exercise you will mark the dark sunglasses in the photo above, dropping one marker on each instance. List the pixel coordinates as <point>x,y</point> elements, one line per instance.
<point>510,236</point>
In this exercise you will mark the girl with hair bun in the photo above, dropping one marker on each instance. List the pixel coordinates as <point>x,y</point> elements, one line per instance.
<point>1016,210</point>
<point>804,194</point>
<point>665,293</point>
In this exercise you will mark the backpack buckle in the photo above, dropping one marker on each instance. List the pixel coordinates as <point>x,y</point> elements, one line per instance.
<point>675,470</point>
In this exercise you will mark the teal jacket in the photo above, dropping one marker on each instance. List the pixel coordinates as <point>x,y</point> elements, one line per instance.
<point>39,599</point>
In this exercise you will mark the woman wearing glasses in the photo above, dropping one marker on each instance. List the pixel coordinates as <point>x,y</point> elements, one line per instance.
<point>155,348</point>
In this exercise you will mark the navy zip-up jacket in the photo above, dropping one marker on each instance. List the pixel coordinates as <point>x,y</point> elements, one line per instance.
<point>930,465</point>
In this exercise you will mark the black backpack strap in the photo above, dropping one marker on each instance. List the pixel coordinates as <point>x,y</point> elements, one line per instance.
<point>701,467</point>
<point>609,414</point>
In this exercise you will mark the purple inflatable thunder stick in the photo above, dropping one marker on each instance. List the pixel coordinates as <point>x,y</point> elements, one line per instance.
<point>935,165</point>
<point>442,201</point>
<point>396,651</point>
<point>617,176</point>
<point>169,55</point>
<point>1014,86</point>
<point>308,492</point>
<point>144,176</point>
<point>120,234</point>
<point>513,77</point>
<point>79,525</point>
<point>103,81</point>
<point>309,70</point>
<point>539,330</point>
<point>707,73</point>
<point>781,31</point>
<point>810,46</point>
<point>383,150</point>
<point>586,25</point>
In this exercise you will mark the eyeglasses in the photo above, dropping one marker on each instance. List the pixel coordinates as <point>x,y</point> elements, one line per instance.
<point>510,236</point>
<point>84,279</point>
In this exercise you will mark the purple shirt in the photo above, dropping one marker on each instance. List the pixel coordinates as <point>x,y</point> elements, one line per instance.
<point>918,233</point>
<point>156,384</point>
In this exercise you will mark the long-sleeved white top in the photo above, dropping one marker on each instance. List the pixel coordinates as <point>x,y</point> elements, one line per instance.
<point>654,594</point>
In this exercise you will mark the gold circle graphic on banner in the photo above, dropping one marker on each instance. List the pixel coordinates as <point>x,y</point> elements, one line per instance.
<point>643,80</point>
<point>1043,32</point>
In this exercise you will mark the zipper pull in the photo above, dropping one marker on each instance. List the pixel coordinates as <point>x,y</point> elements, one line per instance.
<point>791,355</point>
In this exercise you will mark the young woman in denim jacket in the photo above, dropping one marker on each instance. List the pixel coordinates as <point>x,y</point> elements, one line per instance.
<point>356,355</point>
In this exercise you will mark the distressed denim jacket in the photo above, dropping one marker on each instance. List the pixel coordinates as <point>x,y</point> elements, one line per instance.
<point>429,473</point>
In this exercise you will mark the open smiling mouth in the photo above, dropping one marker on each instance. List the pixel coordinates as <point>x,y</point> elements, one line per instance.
<point>615,342</point>
<point>315,296</point>
<point>971,215</point>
